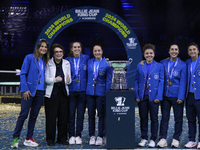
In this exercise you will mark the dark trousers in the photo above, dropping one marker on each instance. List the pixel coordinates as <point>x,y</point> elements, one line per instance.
<point>146,106</point>
<point>77,106</point>
<point>93,103</point>
<point>192,111</point>
<point>166,104</point>
<point>32,105</point>
<point>56,111</point>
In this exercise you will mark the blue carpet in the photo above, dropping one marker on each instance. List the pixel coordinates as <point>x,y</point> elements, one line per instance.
<point>10,112</point>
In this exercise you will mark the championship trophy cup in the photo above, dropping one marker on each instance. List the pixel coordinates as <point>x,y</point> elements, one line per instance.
<point>119,80</point>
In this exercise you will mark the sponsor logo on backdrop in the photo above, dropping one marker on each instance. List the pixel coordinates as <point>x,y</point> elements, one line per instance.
<point>87,14</point>
<point>131,44</point>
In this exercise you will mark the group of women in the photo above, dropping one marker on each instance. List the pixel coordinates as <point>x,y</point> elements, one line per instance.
<point>170,82</point>
<point>68,85</point>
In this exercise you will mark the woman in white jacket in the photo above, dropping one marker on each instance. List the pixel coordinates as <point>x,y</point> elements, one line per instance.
<point>57,78</point>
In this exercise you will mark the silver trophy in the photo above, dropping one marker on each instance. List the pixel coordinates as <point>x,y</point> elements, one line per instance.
<point>119,80</point>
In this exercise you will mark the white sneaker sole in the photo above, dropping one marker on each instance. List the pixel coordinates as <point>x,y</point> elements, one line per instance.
<point>165,145</point>
<point>72,143</point>
<point>14,147</point>
<point>99,144</point>
<point>151,146</point>
<point>142,145</point>
<point>190,146</point>
<point>30,145</point>
<point>174,146</point>
<point>91,143</point>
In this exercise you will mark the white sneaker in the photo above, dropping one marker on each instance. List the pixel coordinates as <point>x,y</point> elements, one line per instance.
<point>92,140</point>
<point>152,144</point>
<point>99,141</point>
<point>198,147</point>
<point>191,144</point>
<point>143,143</point>
<point>175,143</point>
<point>30,142</point>
<point>78,140</point>
<point>162,143</point>
<point>72,140</point>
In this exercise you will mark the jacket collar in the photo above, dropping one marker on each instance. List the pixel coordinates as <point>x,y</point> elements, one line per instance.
<point>153,66</point>
<point>197,64</point>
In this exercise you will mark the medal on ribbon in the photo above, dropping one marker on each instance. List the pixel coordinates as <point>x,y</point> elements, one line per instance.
<point>171,71</point>
<point>147,75</point>
<point>96,70</point>
<point>170,83</point>
<point>76,68</point>
<point>77,80</point>
<point>41,69</point>
<point>95,82</point>
<point>192,71</point>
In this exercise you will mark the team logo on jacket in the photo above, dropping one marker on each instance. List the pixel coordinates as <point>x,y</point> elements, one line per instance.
<point>156,76</point>
<point>120,100</point>
<point>101,73</point>
<point>175,73</point>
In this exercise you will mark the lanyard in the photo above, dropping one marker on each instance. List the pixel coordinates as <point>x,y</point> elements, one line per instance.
<point>172,70</point>
<point>76,66</point>
<point>147,73</point>
<point>194,68</point>
<point>96,68</point>
<point>41,67</point>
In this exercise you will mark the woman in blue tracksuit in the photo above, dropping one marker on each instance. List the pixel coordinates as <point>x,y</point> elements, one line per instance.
<point>32,86</point>
<point>174,95</point>
<point>149,83</point>
<point>77,89</point>
<point>99,81</point>
<point>193,95</point>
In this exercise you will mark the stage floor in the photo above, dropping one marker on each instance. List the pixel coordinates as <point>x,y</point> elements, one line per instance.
<point>10,112</point>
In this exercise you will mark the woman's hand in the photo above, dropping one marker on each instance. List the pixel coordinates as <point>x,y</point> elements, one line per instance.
<point>137,100</point>
<point>142,62</point>
<point>26,95</point>
<point>68,79</point>
<point>58,79</point>
<point>156,101</point>
<point>179,101</point>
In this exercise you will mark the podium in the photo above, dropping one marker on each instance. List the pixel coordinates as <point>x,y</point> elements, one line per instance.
<point>120,119</point>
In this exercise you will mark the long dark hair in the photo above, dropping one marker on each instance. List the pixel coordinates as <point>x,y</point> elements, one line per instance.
<point>37,54</point>
<point>71,46</point>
